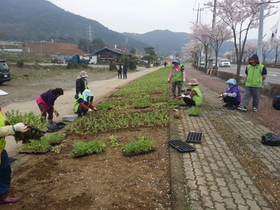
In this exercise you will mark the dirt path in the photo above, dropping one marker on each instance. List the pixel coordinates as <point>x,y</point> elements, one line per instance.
<point>26,93</point>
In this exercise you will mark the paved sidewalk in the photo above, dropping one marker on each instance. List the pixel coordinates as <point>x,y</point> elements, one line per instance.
<point>230,169</point>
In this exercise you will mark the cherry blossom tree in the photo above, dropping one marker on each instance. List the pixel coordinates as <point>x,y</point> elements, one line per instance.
<point>219,34</point>
<point>265,50</point>
<point>200,33</point>
<point>193,50</point>
<point>240,16</point>
<point>275,45</point>
<point>250,48</point>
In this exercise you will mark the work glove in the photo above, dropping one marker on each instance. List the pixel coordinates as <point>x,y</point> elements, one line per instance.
<point>184,80</point>
<point>168,80</point>
<point>20,127</point>
<point>224,94</point>
<point>188,96</point>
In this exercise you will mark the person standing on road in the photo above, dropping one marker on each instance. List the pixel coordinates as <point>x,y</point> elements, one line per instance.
<point>178,76</point>
<point>231,96</point>
<point>81,84</point>
<point>5,168</point>
<point>45,102</point>
<point>84,103</point>
<point>255,75</point>
<point>120,71</point>
<point>124,72</point>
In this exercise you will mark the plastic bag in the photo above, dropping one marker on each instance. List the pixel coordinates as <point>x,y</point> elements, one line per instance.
<point>270,139</point>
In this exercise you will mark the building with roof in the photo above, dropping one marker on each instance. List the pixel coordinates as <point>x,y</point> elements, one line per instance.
<point>106,55</point>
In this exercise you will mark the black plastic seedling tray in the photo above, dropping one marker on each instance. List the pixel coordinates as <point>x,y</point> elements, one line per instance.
<point>11,160</point>
<point>194,137</point>
<point>181,146</point>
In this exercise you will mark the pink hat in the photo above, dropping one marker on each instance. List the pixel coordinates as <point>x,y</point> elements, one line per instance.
<point>83,74</point>
<point>193,82</point>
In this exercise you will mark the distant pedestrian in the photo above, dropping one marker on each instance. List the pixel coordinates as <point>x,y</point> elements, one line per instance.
<point>81,83</point>
<point>120,71</point>
<point>178,76</point>
<point>45,102</point>
<point>124,72</point>
<point>165,63</point>
<point>231,97</point>
<point>255,75</point>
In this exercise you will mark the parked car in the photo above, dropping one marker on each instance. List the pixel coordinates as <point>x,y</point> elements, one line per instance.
<point>214,66</point>
<point>202,62</point>
<point>4,72</point>
<point>224,63</point>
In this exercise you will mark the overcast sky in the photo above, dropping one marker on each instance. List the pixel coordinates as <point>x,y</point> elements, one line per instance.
<point>143,16</point>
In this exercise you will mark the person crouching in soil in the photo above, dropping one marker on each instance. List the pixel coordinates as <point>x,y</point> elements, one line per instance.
<point>5,168</point>
<point>193,99</point>
<point>232,96</point>
<point>84,103</point>
<point>46,101</point>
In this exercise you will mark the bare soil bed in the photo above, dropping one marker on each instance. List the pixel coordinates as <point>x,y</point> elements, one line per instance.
<point>100,181</point>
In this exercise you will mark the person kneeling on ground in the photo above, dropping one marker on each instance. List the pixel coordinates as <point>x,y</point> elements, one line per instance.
<point>232,95</point>
<point>84,103</point>
<point>194,99</point>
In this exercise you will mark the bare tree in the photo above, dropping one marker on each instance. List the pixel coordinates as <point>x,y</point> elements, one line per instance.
<point>240,16</point>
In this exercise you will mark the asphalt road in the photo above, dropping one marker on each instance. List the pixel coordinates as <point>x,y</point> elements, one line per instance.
<point>273,74</point>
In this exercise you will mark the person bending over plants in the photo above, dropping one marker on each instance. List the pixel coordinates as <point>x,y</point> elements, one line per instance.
<point>84,103</point>
<point>194,99</point>
<point>46,101</point>
<point>5,168</point>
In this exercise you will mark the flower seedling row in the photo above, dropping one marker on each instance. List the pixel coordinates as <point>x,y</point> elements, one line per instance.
<point>138,153</point>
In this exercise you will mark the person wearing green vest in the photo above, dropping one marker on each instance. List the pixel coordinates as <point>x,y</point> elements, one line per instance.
<point>255,75</point>
<point>84,103</point>
<point>194,98</point>
<point>178,76</point>
<point>5,168</point>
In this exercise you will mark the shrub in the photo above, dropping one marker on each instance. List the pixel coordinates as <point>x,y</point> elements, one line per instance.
<point>112,66</point>
<point>20,63</point>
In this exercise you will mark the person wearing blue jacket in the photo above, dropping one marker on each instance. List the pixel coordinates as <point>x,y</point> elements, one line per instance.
<point>231,96</point>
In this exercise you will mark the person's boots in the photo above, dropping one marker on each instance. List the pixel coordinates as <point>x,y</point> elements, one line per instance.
<point>5,199</point>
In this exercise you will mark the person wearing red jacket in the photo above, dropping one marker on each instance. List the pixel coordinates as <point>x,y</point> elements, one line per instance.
<point>84,103</point>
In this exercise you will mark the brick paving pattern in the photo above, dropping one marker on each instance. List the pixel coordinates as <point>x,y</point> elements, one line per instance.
<point>230,169</point>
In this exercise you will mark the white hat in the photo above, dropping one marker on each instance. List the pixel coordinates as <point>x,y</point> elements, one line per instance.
<point>87,92</point>
<point>3,93</point>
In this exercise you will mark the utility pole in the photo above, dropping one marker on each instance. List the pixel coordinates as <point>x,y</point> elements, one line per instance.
<point>90,33</point>
<point>198,11</point>
<point>260,35</point>
<point>210,66</point>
